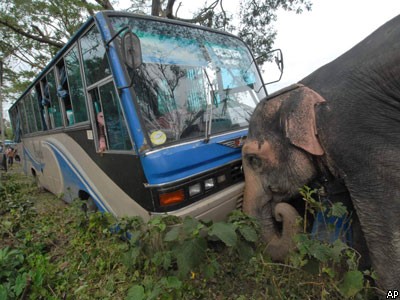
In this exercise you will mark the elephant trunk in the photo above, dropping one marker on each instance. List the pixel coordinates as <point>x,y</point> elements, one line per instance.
<point>257,202</point>
<point>279,244</point>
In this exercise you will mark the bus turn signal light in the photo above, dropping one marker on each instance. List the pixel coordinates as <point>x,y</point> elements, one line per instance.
<point>172,197</point>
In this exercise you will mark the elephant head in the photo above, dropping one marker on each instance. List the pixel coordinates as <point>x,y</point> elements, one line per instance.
<point>277,161</point>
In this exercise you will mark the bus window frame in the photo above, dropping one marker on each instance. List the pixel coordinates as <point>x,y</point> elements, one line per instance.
<point>83,80</point>
<point>60,100</point>
<point>93,117</point>
<point>28,129</point>
<point>43,79</point>
<point>29,98</point>
<point>38,90</point>
<point>45,110</point>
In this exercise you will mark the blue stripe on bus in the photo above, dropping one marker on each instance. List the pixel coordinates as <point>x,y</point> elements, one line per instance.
<point>71,176</point>
<point>36,164</point>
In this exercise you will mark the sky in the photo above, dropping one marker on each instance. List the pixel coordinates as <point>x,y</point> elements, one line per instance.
<point>313,39</point>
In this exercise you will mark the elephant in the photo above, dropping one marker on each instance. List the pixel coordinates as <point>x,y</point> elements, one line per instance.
<point>341,122</point>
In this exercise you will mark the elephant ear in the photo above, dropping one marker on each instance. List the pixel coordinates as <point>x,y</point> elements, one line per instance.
<point>300,126</point>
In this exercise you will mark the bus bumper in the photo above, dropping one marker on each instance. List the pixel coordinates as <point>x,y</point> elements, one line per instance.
<point>216,207</point>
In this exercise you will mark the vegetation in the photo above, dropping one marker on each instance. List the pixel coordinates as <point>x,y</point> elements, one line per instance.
<point>51,250</point>
<point>33,31</point>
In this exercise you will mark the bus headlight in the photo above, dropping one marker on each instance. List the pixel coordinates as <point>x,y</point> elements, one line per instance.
<point>209,183</point>
<point>194,189</point>
<point>221,178</point>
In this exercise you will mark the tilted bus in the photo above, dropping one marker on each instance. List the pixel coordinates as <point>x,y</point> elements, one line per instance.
<point>143,116</point>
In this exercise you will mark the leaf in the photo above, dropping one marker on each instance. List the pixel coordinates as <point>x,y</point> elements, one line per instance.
<point>337,250</point>
<point>190,254</point>
<point>320,251</point>
<point>162,258</point>
<point>3,292</point>
<point>172,235</point>
<point>173,282</point>
<point>244,250</point>
<point>130,257</point>
<point>20,283</point>
<point>352,283</point>
<point>136,292</point>
<point>337,210</point>
<point>249,233</point>
<point>191,226</point>
<point>210,269</point>
<point>225,232</point>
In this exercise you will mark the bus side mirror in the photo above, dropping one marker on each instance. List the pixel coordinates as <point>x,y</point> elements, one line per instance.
<point>131,49</point>
<point>275,66</point>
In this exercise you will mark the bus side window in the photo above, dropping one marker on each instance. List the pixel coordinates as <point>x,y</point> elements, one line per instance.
<point>63,93</point>
<point>112,133</point>
<point>36,109</point>
<point>100,133</point>
<point>50,100</point>
<point>24,121</point>
<point>95,62</point>
<point>42,114</point>
<point>76,92</point>
<point>114,120</point>
<point>45,101</point>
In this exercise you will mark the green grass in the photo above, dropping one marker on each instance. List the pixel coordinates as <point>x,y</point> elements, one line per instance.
<point>51,250</point>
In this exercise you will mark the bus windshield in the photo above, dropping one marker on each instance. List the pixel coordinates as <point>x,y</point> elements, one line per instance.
<point>193,83</point>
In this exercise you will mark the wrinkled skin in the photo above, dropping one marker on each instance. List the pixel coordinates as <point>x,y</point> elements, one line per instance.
<point>344,121</point>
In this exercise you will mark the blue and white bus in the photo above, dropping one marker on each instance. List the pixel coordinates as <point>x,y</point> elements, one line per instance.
<point>140,116</point>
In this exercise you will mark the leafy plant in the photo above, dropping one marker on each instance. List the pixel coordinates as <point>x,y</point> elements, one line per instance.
<point>335,262</point>
<point>51,250</point>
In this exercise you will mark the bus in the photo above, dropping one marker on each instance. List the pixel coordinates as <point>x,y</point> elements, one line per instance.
<point>141,116</point>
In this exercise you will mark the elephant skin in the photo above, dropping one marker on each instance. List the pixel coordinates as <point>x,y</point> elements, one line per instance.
<point>343,121</point>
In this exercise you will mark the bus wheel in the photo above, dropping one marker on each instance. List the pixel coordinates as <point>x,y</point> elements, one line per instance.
<point>89,205</point>
<point>36,178</point>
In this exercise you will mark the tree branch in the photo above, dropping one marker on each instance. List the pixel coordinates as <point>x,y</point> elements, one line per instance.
<point>44,40</point>
<point>105,4</point>
<point>206,14</point>
<point>179,6</point>
<point>224,13</point>
<point>199,18</point>
<point>38,30</point>
<point>168,10</point>
<point>89,9</point>
<point>155,8</point>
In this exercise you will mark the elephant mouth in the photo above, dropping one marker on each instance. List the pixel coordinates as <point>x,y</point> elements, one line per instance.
<point>277,195</point>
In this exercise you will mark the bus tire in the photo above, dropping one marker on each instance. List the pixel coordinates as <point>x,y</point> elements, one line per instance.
<point>36,179</point>
<point>90,205</point>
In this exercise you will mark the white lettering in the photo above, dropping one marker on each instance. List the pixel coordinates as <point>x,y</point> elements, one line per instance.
<point>392,294</point>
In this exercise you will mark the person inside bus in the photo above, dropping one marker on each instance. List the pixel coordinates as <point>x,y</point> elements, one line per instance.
<point>102,136</point>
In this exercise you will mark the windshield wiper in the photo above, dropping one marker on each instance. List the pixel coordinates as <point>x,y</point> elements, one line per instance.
<point>209,108</point>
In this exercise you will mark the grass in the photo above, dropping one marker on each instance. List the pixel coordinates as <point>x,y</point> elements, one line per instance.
<point>51,250</point>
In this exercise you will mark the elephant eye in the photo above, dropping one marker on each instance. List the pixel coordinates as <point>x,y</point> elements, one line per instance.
<point>254,161</point>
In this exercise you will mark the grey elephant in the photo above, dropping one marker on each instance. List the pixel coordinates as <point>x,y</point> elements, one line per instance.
<point>341,121</point>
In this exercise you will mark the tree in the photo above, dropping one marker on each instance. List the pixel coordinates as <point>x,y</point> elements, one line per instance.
<point>32,31</point>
